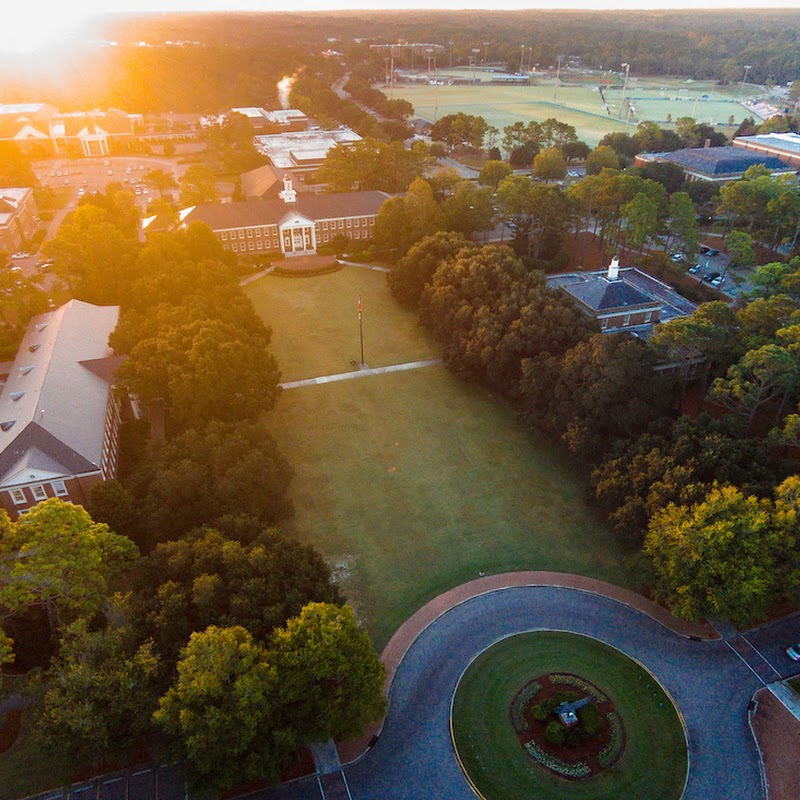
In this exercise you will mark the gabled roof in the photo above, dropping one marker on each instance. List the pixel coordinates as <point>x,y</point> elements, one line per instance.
<point>56,395</point>
<point>252,213</point>
<point>260,181</point>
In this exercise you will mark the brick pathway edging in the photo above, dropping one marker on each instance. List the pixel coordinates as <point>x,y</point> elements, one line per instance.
<point>408,632</point>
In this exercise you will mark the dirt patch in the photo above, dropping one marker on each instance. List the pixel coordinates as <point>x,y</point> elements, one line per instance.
<point>778,735</point>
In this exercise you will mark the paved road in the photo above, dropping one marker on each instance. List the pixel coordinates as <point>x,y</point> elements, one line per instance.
<point>414,759</point>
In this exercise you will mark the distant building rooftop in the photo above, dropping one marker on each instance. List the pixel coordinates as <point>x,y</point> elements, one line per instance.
<point>302,148</point>
<point>784,146</point>
<point>716,163</point>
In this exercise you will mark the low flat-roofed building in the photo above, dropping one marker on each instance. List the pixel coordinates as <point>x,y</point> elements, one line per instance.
<point>303,151</point>
<point>293,224</point>
<point>622,299</point>
<point>715,164</point>
<point>59,415</point>
<point>783,146</point>
<point>18,217</point>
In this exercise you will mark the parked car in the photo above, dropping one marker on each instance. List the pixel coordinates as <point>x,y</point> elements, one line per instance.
<point>711,276</point>
<point>712,252</point>
<point>695,269</point>
<point>677,257</point>
<point>794,652</point>
<point>20,254</point>
<point>718,281</point>
<point>45,265</point>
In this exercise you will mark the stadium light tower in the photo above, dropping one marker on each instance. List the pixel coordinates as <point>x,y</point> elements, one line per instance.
<point>521,56</point>
<point>747,68</point>
<point>624,87</point>
<point>485,45</point>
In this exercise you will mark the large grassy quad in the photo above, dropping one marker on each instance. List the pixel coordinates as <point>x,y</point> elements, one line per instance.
<point>411,483</point>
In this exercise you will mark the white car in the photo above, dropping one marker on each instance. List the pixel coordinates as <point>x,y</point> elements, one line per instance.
<point>20,254</point>
<point>794,652</point>
<point>718,281</point>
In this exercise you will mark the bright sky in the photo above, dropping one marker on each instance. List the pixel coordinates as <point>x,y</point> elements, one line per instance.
<point>28,24</point>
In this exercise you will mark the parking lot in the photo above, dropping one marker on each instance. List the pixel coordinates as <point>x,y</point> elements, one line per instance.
<point>86,175</point>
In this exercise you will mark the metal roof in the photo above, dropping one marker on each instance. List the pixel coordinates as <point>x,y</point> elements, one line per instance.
<point>54,401</point>
<point>718,161</point>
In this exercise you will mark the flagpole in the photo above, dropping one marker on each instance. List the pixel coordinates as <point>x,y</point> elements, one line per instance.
<point>361,330</point>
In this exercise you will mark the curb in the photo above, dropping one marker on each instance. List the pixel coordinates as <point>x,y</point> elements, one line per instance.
<point>407,634</point>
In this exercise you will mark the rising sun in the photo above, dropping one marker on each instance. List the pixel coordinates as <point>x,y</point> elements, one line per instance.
<point>28,28</point>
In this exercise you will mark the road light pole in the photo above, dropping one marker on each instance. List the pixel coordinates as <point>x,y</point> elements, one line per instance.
<point>747,68</point>
<point>485,45</point>
<point>476,51</point>
<point>521,56</point>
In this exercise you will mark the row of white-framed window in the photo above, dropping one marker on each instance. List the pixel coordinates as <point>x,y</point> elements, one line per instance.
<point>59,489</point>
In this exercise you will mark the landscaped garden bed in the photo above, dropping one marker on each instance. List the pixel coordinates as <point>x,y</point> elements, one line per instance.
<point>593,743</point>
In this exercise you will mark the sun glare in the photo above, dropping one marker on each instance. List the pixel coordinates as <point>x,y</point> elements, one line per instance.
<point>30,29</point>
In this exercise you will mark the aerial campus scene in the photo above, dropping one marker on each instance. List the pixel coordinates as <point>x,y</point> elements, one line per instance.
<point>399,403</point>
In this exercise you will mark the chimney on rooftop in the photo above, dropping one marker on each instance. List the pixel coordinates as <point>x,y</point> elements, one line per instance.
<point>707,143</point>
<point>613,269</point>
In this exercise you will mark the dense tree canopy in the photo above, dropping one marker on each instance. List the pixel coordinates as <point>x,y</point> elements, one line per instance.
<point>206,579</point>
<point>98,695</point>
<point>730,555</point>
<point>199,476</point>
<point>332,680</point>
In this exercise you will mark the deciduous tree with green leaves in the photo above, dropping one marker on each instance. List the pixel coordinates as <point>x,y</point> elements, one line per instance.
<point>56,557</point>
<point>728,556</point>
<point>224,710</point>
<point>331,677</point>
<point>98,695</point>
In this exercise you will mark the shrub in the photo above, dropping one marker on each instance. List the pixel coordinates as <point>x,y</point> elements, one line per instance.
<point>554,733</point>
<point>540,711</point>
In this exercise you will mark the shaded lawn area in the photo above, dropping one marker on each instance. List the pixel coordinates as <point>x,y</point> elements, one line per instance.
<point>315,323</point>
<point>411,483</point>
<point>653,764</point>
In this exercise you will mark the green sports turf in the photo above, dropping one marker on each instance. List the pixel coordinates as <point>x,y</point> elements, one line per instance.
<point>653,764</point>
<point>413,482</point>
<point>654,99</point>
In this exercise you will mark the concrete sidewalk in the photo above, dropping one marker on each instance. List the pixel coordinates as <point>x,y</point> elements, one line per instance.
<point>360,373</point>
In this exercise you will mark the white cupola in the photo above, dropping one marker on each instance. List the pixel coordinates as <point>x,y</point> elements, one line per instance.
<point>288,195</point>
<point>613,269</point>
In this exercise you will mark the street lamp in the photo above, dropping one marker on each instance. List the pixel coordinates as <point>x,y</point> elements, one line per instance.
<point>744,78</point>
<point>476,51</point>
<point>521,56</point>
<point>485,45</point>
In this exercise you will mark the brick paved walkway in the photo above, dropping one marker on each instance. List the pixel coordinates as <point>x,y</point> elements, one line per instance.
<point>405,635</point>
<point>777,732</point>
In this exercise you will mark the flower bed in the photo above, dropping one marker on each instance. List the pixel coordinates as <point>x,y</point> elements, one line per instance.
<point>586,750</point>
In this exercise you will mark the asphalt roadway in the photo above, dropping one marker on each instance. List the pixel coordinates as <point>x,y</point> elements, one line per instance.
<point>414,757</point>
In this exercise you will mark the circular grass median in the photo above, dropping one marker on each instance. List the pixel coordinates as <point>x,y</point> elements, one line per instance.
<point>653,764</point>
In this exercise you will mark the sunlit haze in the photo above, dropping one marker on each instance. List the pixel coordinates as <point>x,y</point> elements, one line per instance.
<point>29,26</point>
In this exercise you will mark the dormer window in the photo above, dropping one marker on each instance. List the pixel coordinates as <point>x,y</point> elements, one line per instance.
<point>7,425</point>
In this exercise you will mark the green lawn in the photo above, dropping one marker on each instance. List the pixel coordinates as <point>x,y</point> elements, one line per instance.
<point>315,322</point>
<point>654,99</point>
<point>653,764</point>
<point>413,482</point>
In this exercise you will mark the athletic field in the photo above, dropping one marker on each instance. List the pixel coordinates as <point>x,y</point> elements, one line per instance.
<point>659,100</point>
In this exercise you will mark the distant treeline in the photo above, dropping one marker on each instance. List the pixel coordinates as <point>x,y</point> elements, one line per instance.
<point>236,59</point>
